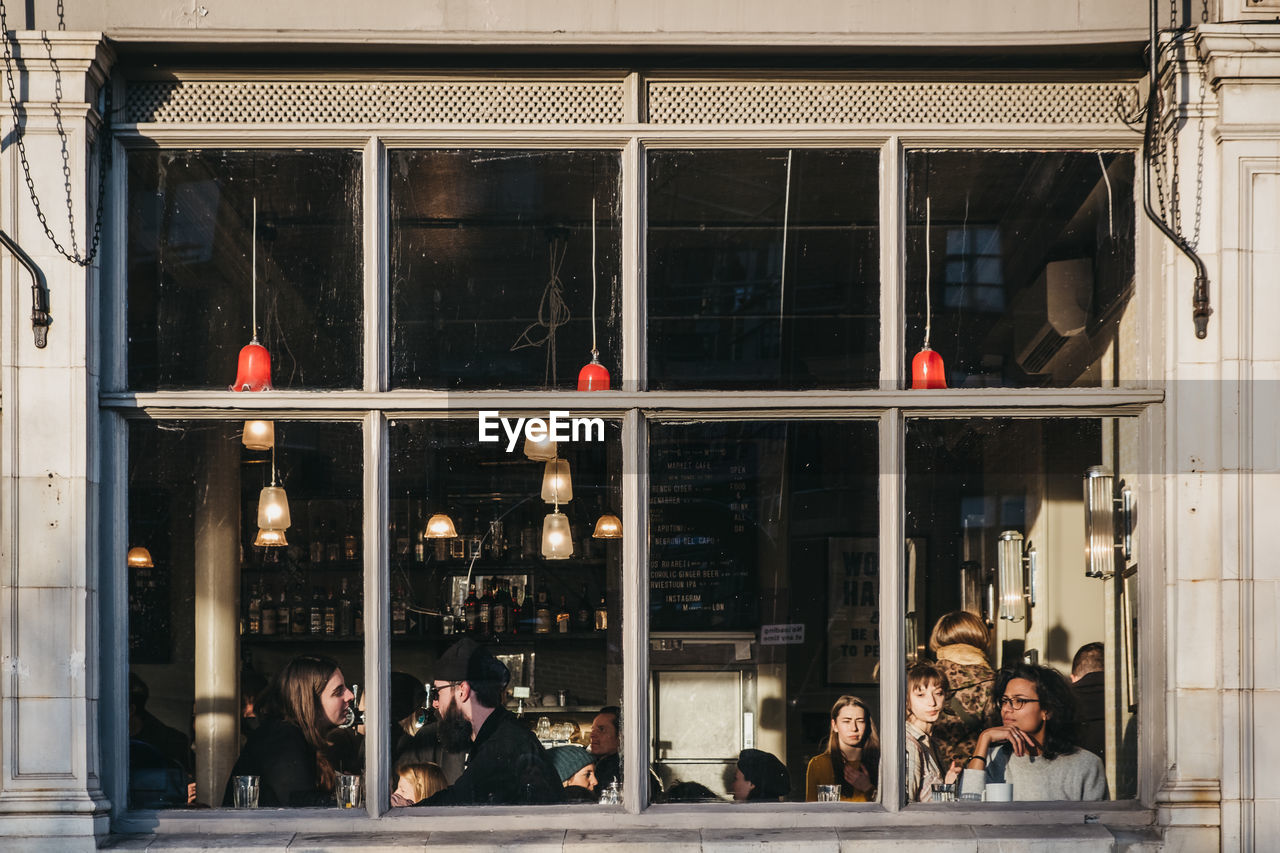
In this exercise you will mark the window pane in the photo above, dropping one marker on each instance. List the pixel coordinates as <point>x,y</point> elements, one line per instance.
<point>492,282</point>
<point>763,598</point>
<point>553,621</point>
<point>226,635</point>
<point>1031,266</point>
<point>980,494</point>
<point>763,269</point>
<point>191,262</point>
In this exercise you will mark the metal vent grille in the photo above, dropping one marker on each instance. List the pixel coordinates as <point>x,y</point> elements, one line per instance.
<point>288,102</point>
<point>798,103</point>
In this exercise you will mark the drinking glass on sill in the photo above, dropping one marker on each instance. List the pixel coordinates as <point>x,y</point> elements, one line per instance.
<point>349,791</point>
<point>244,792</point>
<point>828,793</point>
<point>944,793</point>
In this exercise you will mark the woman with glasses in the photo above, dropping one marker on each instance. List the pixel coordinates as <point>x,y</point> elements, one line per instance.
<point>1033,749</point>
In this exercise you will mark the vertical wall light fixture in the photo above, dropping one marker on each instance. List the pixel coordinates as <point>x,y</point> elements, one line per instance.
<point>1108,523</point>
<point>1017,575</point>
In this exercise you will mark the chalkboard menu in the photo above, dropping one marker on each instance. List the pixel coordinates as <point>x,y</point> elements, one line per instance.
<point>703,533</point>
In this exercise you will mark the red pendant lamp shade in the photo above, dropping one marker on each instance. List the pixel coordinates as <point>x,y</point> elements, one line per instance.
<point>594,376</point>
<point>254,370</point>
<point>927,370</point>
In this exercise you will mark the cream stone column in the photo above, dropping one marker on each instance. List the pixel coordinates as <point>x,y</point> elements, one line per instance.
<point>50,796</point>
<point>1243,72</point>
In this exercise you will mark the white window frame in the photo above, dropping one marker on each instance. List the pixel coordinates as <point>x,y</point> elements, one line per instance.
<point>374,404</point>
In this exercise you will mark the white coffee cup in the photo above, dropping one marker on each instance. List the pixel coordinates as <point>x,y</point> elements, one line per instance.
<point>999,792</point>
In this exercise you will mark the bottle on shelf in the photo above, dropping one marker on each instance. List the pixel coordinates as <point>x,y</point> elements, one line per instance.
<point>486,611</point>
<point>346,611</point>
<point>476,540</point>
<point>582,615</point>
<point>420,546</point>
<point>255,610</point>
<point>330,614</point>
<point>471,611</point>
<point>500,616</point>
<point>350,547</point>
<point>316,621</point>
<point>268,616</point>
<point>601,621</point>
<point>542,618</point>
<point>300,620</point>
<point>399,614</point>
<point>563,618</point>
<point>284,619</point>
<point>333,545</point>
<point>517,609</point>
<point>495,544</point>
<point>317,543</point>
<point>358,608</point>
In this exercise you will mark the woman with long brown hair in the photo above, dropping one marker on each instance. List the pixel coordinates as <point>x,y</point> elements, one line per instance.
<point>292,750</point>
<point>852,756</point>
<point>959,641</point>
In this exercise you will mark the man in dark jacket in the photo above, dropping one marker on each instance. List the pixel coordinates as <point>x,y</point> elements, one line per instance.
<point>1087,684</point>
<point>506,764</point>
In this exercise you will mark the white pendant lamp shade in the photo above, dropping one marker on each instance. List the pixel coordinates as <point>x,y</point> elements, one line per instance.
<point>270,539</point>
<point>259,435</point>
<point>557,488</point>
<point>273,508</point>
<point>539,451</point>
<point>440,526</point>
<point>139,558</point>
<point>608,526</point>
<point>557,539</point>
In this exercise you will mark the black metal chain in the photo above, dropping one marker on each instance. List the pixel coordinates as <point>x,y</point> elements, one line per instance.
<point>104,149</point>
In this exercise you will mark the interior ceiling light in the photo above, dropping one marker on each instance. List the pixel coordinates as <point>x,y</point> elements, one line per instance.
<point>557,538</point>
<point>594,376</point>
<point>927,368</point>
<point>253,372</point>
<point>557,487</point>
<point>440,526</point>
<point>139,558</point>
<point>259,435</point>
<point>608,526</point>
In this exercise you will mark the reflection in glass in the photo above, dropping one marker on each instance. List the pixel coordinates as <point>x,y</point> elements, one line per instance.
<point>190,269</point>
<point>552,618</point>
<point>1032,265</point>
<point>224,633</point>
<point>491,267</point>
<point>763,268</point>
<point>763,600</point>
<point>984,493</point>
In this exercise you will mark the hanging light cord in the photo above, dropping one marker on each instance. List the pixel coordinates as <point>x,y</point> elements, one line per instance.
<point>928,272</point>
<point>253,276</point>
<point>1111,224</point>
<point>553,312</point>
<point>786,220</point>
<point>595,353</point>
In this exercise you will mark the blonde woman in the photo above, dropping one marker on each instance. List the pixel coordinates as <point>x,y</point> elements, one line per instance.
<point>959,642</point>
<point>852,756</point>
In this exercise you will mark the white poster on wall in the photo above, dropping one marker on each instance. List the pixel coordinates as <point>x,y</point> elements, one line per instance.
<point>853,610</point>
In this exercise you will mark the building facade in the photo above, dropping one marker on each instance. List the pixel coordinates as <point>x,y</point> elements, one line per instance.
<point>755,217</point>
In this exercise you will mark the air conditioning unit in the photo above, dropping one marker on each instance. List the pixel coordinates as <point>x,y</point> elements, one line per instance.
<point>1052,311</point>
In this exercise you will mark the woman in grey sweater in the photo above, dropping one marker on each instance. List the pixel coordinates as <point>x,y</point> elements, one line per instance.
<point>1033,749</point>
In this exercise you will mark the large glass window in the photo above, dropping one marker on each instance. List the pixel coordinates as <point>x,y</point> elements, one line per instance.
<point>1030,265</point>
<point>763,606</point>
<point>763,268</point>
<point>505,267</point>
<point>191,252</point>
<point>246,628</point>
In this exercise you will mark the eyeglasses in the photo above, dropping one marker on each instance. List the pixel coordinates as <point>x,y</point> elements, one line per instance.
<point>1015,702</point>
<point>433,692</point>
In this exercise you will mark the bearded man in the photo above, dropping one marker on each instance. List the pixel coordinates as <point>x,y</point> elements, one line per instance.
<point>506,765</point>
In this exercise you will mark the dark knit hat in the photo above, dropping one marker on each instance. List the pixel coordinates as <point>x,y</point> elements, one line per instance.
<point>467,660</point>
<point>568,760</point>
<point>766,772</point>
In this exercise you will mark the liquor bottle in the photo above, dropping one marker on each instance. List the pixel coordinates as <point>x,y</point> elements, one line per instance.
<point>346,613</point>
<point>542,616</point>
<point>300,617</point>
<point>471,611</point>
<point>255,610</point>
<point>317,544</point>
<point>500,617</point>
<point>496,544</point>
<point>330,615</point>
<point>399,616</point>
<point>486,611</point>
<point>333,545</point>
<point>358,611</point>
<point>476,540</point>
<point>602,615</point>
<point>284,620</point>
<point>420,547</point>
<point>350,548</point>
<point>582,616</point>
<point>517,611</point>
<point>316,621</point>
<point>268,617</point>
<point>563,618</point>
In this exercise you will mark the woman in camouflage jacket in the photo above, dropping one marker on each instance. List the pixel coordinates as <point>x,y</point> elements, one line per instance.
<point>960,640</point>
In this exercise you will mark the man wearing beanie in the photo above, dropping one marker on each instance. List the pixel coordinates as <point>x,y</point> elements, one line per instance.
<point>506,765</point>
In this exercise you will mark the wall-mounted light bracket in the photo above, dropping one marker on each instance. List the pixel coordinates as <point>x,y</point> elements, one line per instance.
<point>1108,522</point>
<point>1018,565</point>
<point>40,319</point>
